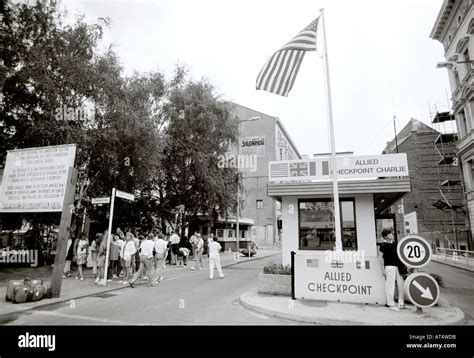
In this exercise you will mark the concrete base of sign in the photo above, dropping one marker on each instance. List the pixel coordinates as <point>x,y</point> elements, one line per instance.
<point>332,313</point>
<point>274,284</point>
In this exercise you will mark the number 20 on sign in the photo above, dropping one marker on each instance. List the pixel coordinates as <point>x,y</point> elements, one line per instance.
<point>414,251</point>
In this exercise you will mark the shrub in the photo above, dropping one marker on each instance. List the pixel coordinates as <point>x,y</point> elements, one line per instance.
<point>277,269</point>
<point>438,279</point>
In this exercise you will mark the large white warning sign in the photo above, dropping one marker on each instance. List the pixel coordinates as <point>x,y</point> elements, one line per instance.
<point>34,179</point>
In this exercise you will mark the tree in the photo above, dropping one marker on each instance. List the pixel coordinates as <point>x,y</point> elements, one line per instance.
<point>200,128</point>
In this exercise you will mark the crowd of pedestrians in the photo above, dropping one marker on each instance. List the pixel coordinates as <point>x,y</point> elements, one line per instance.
<point>133,255</point>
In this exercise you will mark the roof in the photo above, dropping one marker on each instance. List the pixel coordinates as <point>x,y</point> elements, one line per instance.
<point>414,125</point>
<point>386,191</point>
<point>442,18</point>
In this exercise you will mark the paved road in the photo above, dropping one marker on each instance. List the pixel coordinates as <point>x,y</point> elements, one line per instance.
<point>190,299</point>
<point>458,287</point>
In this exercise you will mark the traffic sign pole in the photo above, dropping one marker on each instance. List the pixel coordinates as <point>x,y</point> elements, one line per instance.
<point>109,235</point>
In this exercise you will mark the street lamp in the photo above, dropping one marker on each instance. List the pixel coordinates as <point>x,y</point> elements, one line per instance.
<point>451,64</point>
<point>237,236</point>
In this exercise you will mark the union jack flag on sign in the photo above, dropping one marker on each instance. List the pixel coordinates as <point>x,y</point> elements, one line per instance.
<point>299,169</point>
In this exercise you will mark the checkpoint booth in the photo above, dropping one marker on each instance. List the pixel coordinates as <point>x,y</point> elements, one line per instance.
<point>367,185</point>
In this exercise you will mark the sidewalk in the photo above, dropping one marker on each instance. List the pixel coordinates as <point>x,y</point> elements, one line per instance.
<point>72,289</point>
<point>335,313</point>
<point>460,262</point>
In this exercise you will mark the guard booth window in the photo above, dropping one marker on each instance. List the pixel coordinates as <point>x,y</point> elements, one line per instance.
<point>316,224</point>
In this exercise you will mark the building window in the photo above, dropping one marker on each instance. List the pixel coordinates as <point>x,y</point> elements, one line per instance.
<point>468,60</point>
<point>456,76</point>
<point>281,154</point>
<point>316,224</point>
<point>259,204</point>
<point>463,128</point>
<point>471,181</point>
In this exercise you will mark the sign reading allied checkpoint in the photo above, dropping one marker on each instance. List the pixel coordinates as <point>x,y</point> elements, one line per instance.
<point>316,278</point>
<point>34,179</point>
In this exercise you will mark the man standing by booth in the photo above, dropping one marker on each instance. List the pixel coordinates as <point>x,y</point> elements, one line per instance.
<point>391,263</point>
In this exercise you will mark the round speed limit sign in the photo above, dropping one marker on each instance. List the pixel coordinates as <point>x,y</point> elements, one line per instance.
<point>414,251</point>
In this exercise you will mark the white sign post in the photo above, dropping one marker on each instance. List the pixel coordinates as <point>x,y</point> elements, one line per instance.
<point>100,200</point>
<point>118,194</point>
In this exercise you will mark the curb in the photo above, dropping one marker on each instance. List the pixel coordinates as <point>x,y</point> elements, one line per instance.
<point>452,265</point>
<point>251,259</point>
<point>59,300</point>
<point>459,318</point>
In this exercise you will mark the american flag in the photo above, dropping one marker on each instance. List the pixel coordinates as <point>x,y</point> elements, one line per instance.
<point>279,73</point>
<point>279,170</point>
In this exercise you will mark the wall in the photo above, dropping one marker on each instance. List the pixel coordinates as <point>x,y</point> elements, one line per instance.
<point>255,181</point>
<point>365,222</point>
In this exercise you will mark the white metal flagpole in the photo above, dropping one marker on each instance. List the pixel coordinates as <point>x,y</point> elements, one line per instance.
<point>337,216</point>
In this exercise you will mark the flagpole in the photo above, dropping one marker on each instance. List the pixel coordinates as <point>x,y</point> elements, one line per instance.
<point>337,216</point>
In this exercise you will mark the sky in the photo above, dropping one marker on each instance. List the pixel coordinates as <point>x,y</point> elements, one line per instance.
<point>382,62</point>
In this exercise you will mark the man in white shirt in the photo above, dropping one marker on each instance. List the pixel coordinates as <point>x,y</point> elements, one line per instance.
<point>214,258</point>
<point>146,256</point>
<point>198,252</point>
<point>128,254</point>
<point>161,251</point>
<point>174,240</point>
<point>193,241</point>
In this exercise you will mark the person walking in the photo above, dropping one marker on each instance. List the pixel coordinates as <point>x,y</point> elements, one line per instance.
<point>146,256</point>
<point>193,241</point>
<point>214,258</point>
<point>128,254</point>
<point>113,258</point>
<point>161,252</point>
<point>101,254</point>
<point>93,249</point>
<point>82,250</point>
<point>69,255</point>
<point>391,262</point>
<point>198,253</point>
<point>174,239</point>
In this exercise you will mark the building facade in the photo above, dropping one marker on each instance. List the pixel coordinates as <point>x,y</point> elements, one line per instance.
<point>434,209</point>
<point>454,28</point>
<point>262,139</point>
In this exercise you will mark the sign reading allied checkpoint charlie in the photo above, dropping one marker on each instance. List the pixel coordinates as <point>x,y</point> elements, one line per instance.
<point>349,167</point>
<point>34,179</point>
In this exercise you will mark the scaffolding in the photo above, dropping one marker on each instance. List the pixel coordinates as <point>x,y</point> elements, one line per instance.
<point>449,177</point>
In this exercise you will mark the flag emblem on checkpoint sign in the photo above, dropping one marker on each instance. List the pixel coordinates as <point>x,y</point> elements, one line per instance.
<point>279,73</point>
<point>279,170</point>
<point>299,169</point>
<point>312,263</point>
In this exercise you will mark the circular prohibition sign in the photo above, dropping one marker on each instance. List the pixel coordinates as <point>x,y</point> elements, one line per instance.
<point>414,251</point>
